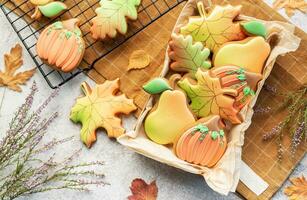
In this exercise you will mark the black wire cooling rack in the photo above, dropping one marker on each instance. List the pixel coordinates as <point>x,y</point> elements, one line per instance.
<point>28,31</point>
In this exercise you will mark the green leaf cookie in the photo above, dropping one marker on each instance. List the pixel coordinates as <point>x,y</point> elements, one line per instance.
<point>52,9</point>
<point>254,28</point>
<point>186,56</point>
<point>157,86</point>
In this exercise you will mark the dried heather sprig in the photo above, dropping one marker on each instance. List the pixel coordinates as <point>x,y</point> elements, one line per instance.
<point>23,168</point>
<point>259,110</point>
<point>273,132</point>
<point>270,88</point>
<point>297,138</point>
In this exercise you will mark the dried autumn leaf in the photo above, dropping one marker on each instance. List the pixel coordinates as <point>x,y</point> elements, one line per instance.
<point>99,109</point>
<point>188,56</point>
<point>298,189</point>
<point>290,6</point>
<point>209,98</point>
<point>13,61</point>
<point>139,59</point>
<point>143,191</point>
<point>215,29</point>
<point>111,17</point>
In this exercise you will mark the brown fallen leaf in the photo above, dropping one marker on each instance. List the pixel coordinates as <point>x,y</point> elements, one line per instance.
<point>143,191</point>
<point>139,59</point>
<point>290,6</point>
<point>298,189</point>
<point>13,61</point>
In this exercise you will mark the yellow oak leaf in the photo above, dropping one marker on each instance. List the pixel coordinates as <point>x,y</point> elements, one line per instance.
<point>99,109</point>
<point>13,61</point>
<point>290,6</point>
<point>209,98</point>
<point>216,28</point>
<point>298,189</point>
<point>139,59</point>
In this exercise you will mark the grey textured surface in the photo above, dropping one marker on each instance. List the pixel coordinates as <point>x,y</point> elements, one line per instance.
<point>121,164</point>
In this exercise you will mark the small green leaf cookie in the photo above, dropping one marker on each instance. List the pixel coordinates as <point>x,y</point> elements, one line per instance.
<point>186,56</point>
<point>254,28</point>
<point>52,9</point>
<point>157,86</point>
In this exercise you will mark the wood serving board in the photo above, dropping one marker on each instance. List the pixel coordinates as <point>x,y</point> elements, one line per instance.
<point>288,73</point>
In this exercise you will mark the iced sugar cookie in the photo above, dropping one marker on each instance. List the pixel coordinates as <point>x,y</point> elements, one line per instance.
<point>216,28</point>
<point>157,86</point>
<point>254,28</point>
<point>47,8</point>
<point>170,116</point>
<point>61,45</point>
<point>111,17</point>
<point>204,144</point>
<point>99,108</point>
<point>188,56</point>
<point>245,83</point>
<point>208,97</point>
<point>249,54</point>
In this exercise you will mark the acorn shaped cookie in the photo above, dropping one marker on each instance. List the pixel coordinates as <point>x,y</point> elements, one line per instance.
<point>61,45</point>
<point>203,144</point>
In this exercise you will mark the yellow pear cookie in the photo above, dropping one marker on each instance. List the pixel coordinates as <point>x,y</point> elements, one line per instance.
<point>250,54</point>
<point>165,124</point>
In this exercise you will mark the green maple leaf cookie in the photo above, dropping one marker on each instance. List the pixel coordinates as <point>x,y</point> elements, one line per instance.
<point>99,109</point>
<point>209,98</point>
<point>111,17</point>
<point>216,28</point>
<point>187,56</point>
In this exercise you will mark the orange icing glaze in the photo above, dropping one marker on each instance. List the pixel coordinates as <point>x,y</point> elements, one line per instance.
<point>250,54</point>
<point>61,45</point>
<point>230,78</point>
<point>205,151</point>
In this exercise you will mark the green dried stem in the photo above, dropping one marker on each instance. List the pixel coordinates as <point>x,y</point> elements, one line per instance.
<point>294,123</point>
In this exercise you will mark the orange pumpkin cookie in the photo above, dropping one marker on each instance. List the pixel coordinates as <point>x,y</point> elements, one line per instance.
<point>204,144</point>
<point>237,78</point>
<point>61,45</point>
<point>249,54</point>
<point>216,28</point>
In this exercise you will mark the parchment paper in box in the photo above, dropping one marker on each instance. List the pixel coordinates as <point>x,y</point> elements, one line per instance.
<point>223,177</point>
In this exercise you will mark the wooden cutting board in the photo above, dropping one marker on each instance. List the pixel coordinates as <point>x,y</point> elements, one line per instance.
<point>289,73</point>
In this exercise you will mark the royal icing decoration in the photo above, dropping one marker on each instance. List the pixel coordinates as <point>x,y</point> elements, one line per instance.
<point>204,144</point>
<point>99,109</point>
<point>216,28</point>
<point>47,8</point>
<point>187,56</point>
<point>61,45</point>
<point>156,86</point>
<point>208,97</point>
<point>254,28</point>
<point>245,83</point>
<point>111,17</point>
<point>165,123</point>
<point>249,54</point>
